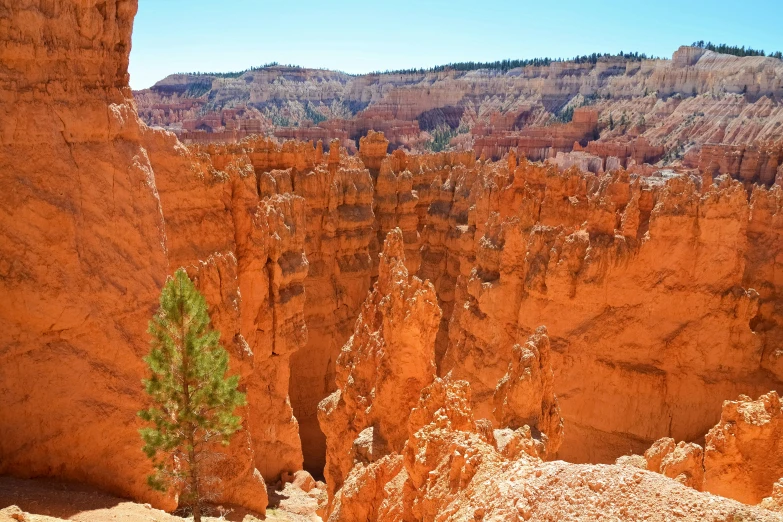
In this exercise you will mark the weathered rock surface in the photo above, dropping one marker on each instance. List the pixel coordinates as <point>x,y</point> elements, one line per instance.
<point>325,204</point>
<point>661,290</point>
<point>741,457</point>
<point>596,257</point>
<point>525,395</point>
<point>774,502</point>
<point>382,368</point>
<point>99,210</point>
<point>82,247</point>
<point>742,454</point>
<point>379,476</point>
<point>450,471</point>
<point>635,274</point>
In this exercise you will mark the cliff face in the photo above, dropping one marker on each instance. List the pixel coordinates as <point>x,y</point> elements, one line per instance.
<point>661,292</point>
<point>696,107</point>
<point>402,443</point>
<point>453,468</point>
<point>332,225</point>
<point>596,258</point>
<point>215,204</point>
<point>99,210</point>
<point>82,246</point>
<point>508,247</point>
<point>740,458</point>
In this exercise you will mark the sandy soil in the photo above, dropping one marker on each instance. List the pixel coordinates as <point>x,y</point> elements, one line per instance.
<point>43,500</point>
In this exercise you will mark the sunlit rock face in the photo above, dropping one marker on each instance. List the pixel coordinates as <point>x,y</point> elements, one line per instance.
<point>82,246</point>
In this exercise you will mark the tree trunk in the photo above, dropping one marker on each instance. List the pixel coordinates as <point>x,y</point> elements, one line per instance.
<point>191,429</point>
<point>194,485</point>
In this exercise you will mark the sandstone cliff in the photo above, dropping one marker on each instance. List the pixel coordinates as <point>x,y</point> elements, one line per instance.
<point>524,396</point>
<point>700,107</point>
<point>451,470</point>
<point>661,290</point>
<point>82,247</point>
<point>595,258</point>
<point>99,210</point>
<point>331,222</point>
<point>634,274</point>
<point>380,469</point>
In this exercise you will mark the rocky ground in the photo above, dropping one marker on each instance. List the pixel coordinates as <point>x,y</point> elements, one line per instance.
<point>43,500</point>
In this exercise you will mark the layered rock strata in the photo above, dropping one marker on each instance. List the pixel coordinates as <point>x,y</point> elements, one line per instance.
<point>697,107</point>
<point>100,209</point>
<point>661,292</point>
<point>382,368</point>
<point>82,247</point>
<point>510,246</point>
<point>585,254</point>
<point>333,223</point>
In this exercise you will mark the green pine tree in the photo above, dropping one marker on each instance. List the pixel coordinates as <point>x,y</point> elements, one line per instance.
<point>193,401</point>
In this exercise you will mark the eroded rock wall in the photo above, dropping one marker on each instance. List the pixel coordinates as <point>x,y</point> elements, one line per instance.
<point>453,469</point>
<point>596,257</point>
<point>100,209</point>
<point>334,227</point>
<point>82,247</point>
<point>635,275</point>
<point>742,454</point>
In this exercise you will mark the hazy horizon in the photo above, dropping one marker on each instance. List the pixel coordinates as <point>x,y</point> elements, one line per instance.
<point>176,36</point>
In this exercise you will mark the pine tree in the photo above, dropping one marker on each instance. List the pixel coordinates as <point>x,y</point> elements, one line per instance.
<point>193,401</point>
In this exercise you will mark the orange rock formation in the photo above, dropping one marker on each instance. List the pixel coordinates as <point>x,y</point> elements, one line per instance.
<point>382,369</point>
<point>91,228</point>
<point>741,458</point>
<point>82,247</point>
<point>660,291</point>
<point>525,395</point>
<point>451,468</point>
<point>742,454</point>
<point>509,247</point>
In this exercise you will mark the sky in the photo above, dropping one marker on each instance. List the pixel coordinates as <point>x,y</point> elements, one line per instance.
<point>171,36</point>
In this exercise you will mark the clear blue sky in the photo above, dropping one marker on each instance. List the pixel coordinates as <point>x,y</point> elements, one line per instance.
<point>227,35</point>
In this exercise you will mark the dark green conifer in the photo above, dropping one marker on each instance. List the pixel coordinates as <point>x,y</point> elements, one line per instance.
<point>193,401</point>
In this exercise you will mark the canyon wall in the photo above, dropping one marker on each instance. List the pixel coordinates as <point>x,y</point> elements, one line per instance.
<point>660,292</point>
<point>595,259</point>
<point>453,466</point>
<point>83,247</point>
<point>695,108</point>
<point>99,211</point>
<point>511,246</point>
<point>334,228</point>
